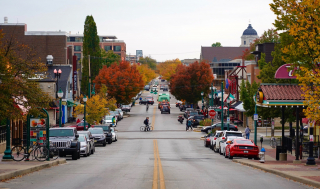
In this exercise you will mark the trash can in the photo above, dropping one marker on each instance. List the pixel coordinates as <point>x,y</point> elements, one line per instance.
<point>279,150</point>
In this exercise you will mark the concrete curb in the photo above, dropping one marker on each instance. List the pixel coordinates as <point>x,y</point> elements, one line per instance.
<point>282,174</point>
<point>16,173</point>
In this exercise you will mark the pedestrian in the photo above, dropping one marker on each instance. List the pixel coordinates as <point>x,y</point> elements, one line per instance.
<point>188,124</point>
<point>78,121</point>
<point>247,132</point>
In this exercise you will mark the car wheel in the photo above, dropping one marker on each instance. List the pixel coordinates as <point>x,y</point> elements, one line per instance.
<point>256,158</point>
<point>220,151</point>
<point>110,141</point>
<point>85,155</point>
<point>79,156</point>
<point>88,154</point>
<point>92,152</point>
<point>75,156</point>
<point>169,112</point>
<point>215,149</point>
<point>249,157</point>
<point>104,144</point>
<point>116,139</point>
<point>229,156</point>
<point>225,154</point>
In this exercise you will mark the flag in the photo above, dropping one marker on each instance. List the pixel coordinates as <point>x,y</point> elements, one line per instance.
<point>227,83</point>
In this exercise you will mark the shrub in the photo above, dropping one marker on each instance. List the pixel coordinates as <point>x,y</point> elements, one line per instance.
<point>205,122</point>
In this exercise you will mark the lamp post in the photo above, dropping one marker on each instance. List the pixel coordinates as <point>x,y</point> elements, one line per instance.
<point>60,95</point>
<point>7,152</point>
<point>222,127</point>
<point>202,100</point>
<point>57,75</point>
<point>228,102</point>
<point>84,119</point>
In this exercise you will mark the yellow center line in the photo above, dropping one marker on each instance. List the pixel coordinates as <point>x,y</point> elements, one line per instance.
<point>155,169</point>
<point>162,183</point>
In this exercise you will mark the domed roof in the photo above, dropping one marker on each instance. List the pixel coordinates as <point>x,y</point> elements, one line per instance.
<point>250,31</point>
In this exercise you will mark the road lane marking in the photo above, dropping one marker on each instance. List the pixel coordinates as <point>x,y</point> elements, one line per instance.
<point>157,166</point>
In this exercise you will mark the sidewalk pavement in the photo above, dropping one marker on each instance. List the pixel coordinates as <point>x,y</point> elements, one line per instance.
<point>299,172</point>
<point>11,169</point>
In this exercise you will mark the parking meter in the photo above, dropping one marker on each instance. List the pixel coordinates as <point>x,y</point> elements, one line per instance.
<point>261,140</point>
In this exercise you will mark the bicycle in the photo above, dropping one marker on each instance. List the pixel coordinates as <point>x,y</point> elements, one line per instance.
<point>273,142</point>
<point>146,128</point>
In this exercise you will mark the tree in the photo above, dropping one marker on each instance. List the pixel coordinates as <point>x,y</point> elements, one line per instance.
<point>189,81</point>
<point>152,63</point>
<point>146,73</point>
<point>90,47</point>
<point>19,66</point>
<point>168,68</point>
<point>247,91</point>
<point>217,44</point>
<point>123,81</point>
<point>109,57</point>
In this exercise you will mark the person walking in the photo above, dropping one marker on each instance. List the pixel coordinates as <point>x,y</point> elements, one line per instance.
<point>247,132</point>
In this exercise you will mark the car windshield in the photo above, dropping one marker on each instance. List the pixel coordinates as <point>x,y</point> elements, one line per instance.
<point>118,110</point>
<point>244,141</point>
<point>217,134</point>
<point>84,133</point>
<point>61,132</point>
<point>112,130</point>
<point>82,124</point>
<point>81,138</point>
<point>96,131</point>
<point>198,117</point>
<point>193,113</point>
<point>108,118</point>
<point>126,106</point>
<point>113,112</point>
<point>105,128</point>
<point>234,134</point>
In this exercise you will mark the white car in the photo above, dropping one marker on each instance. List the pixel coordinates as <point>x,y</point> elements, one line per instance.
<point>120,112</point>
<point>213,139</point>
<point>107,120</point>
<point>84,145</point>
<point>114,135</point>
<point>223,144</point>
<point>223,136</point>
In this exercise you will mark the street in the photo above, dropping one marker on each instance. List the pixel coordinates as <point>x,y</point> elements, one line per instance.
<point>168,157</point>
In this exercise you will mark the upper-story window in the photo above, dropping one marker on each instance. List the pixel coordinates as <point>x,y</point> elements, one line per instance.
<point>75,39</point>
<point>107,48</point>
<point>244,42</point>
<point>117,48</point>
<point>77,48</point>
<point>78,55</point>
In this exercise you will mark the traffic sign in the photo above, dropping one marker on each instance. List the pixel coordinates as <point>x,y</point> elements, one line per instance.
<point>228,119</point>
<point>255,117</point>
<point>212,113</point>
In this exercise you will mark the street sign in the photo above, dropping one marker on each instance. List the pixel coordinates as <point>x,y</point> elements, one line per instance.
<point>212,113</point>
<point>311,138</point>
<point>228,119</point>
<point>255,117</point>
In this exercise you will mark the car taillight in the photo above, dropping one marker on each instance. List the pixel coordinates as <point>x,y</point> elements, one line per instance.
<point>256,148</point>
<point>236,147</point>
<point>223,138</point>
<point>208,139</point>
<point>236,126</point>
<point>215,138</point>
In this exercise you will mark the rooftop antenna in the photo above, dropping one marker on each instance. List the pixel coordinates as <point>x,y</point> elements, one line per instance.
<point>249,21</point>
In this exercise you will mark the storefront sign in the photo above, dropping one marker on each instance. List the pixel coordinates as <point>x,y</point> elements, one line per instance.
<point>36,122</point>
<point>284,72</point>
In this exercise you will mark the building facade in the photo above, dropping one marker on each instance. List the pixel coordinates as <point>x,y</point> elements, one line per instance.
<point>248,36</point>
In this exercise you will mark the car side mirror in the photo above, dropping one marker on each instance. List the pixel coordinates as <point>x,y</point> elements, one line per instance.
<point>77,136</point>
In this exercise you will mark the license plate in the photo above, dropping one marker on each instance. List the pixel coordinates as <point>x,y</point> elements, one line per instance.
<point>245,151</point>
<point>95,140</point>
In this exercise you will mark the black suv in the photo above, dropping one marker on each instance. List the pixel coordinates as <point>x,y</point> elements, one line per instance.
<point>106,131</point>
<point>196,120</point>
<point>143,101</point>
<point>66,140</point>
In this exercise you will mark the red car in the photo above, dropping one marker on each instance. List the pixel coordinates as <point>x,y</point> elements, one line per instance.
<point>79,126</point>
<point>242,148</point>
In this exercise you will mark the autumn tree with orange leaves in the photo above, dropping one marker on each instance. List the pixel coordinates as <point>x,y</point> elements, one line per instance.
<point>189,81</point>
<point>123,81</point>
<point>168,68</point>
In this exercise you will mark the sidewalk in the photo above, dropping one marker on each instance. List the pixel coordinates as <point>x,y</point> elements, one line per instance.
<point>309,175</point>
<point>11,169</point>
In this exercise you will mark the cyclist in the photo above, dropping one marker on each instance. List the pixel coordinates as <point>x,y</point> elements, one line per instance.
<point>146,122</point>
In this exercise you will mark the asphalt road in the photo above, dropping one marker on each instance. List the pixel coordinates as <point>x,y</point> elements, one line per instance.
<point>168,157</point>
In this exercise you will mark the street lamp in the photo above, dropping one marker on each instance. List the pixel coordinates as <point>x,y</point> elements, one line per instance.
<point>84,123</point>
<point>57,74</point>
<point>60,95</point>
<point>202,100</point>
<point>7,152</point>
<point>228,102</point>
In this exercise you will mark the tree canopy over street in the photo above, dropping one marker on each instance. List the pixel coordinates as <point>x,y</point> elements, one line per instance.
<point>123,81</point>
<point>152,63</point>
<point>168,68</point>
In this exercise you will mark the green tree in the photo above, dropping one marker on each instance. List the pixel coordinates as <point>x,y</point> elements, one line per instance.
<point>216,44</point>
<point>110,57</point>
<point>247,91</point>
<point>90,47</point>
<point>152,63</point>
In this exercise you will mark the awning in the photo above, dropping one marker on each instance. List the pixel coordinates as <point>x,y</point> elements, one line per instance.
<point>235,104</point>
<point>70,103</point>
<point>240,107</point>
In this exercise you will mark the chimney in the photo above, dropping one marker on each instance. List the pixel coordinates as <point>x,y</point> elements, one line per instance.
<point>6,20</point>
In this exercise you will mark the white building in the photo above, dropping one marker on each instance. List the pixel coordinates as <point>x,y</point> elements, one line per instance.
<point>248,36</point>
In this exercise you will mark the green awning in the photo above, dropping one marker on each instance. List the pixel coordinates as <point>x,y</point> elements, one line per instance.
<point>70,103</point>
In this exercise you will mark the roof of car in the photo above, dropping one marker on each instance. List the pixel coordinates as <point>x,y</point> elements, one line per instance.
<point>94,128</point>
<point>233,131</point>
<point>63,128</point>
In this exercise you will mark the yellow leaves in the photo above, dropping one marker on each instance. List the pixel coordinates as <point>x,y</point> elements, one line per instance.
<point>146,73</point>
<point>168,68</point>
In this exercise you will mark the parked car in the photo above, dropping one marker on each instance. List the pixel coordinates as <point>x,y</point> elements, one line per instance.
<point>242,148</point>
<point>182,107</point>
<point>99,136</point>
<point>207,140</point>
<point>106,131</point>
<point>80,126</point>
<point>196,120</point>
<point>223,136</point>
<point>161,86</point>
<point>84,145</point>
<point>147,87</point>
<point>150,100</point>
<point>114,134</point>
<point>116,114</point>
<point>178,103</point>
<point>143,101</point>
<point>217,126</point>
<point>66,140</point>
<point>165,108</point>
<point>165,88</point>
<point>126,108</point>
<point>90,140</point>
<point>213,139</point>
<point>107,120</point>
<point>120,113</point>
<point>223,144</point>
<point>187,112</point>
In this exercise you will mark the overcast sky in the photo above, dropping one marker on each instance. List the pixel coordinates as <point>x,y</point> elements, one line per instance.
<point>163,29</point>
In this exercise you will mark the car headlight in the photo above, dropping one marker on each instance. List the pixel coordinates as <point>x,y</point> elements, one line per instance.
<point>68,144</point>
<point>102,136</point>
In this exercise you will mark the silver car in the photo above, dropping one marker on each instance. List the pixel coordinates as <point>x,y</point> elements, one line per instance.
<point>120,112</point>
<point>90,140</point>
<point>84,145</point>
<point>114,134</point>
